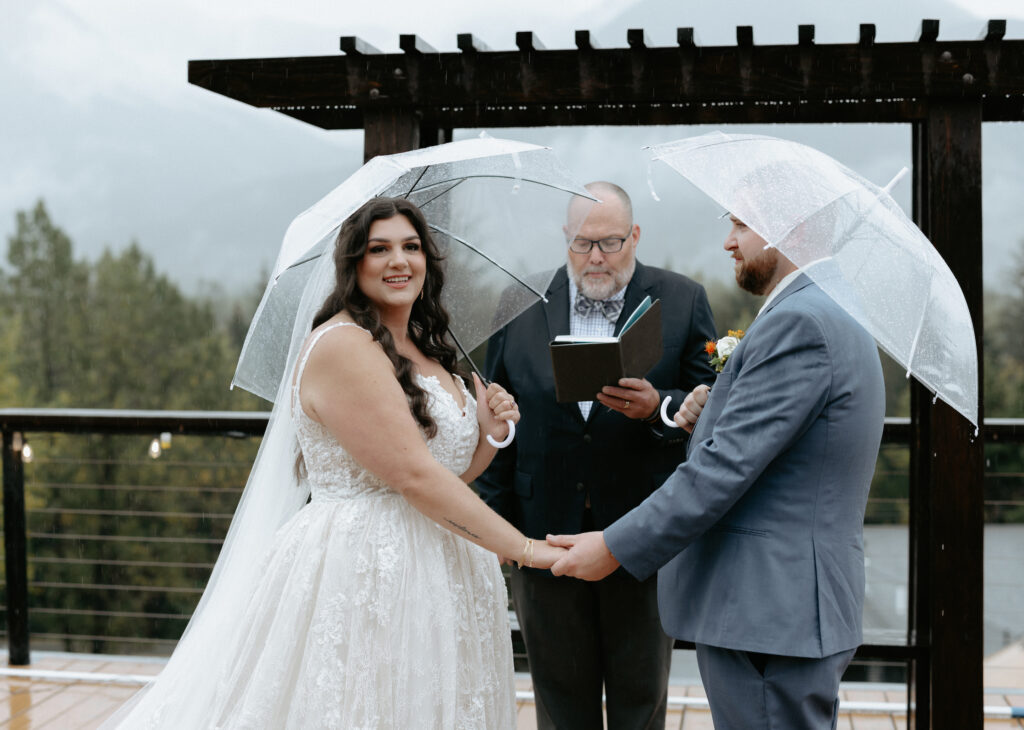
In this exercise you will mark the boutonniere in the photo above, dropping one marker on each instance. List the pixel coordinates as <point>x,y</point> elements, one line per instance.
<point>719,351</point>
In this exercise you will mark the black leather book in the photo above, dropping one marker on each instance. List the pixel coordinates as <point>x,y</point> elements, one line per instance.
<point>584,365</point>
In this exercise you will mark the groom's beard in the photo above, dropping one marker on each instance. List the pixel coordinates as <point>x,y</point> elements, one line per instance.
<point>754,275</point>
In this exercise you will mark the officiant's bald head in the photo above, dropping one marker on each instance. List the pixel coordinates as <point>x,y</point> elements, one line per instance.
<point>602,240</point>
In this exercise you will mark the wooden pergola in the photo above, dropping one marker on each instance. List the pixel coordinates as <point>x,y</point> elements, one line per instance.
<point>944,89</point>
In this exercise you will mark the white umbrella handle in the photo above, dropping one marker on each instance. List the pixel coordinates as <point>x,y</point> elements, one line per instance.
<point>664,413</point>
<point>508,439</point>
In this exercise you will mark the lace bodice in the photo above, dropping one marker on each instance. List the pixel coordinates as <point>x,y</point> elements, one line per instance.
<point>334,474</point>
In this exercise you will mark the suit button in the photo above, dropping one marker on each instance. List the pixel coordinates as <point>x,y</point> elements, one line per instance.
<point>579,486</point>
<point>587,438</point>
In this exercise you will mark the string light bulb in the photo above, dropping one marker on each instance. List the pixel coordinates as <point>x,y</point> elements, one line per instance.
<point>165,440</point>
<point>27,454</point>
<point>154,449</point>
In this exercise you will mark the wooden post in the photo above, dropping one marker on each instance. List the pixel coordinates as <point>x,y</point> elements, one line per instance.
<point>15,558</point>
<point>947,459</point>
<point>388,130</point>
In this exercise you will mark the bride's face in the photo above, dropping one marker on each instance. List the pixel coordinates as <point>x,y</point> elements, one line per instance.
<point>392,270</point>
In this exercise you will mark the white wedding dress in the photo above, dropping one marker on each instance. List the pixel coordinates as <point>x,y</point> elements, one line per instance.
<point>369,614</point>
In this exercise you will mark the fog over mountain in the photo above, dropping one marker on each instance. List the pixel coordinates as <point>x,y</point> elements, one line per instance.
<point>101,123</point>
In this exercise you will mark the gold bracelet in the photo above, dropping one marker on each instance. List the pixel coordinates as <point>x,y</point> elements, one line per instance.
<point>527,551</point>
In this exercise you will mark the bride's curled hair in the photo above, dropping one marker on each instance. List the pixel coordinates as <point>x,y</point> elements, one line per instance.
<point>428,322</point>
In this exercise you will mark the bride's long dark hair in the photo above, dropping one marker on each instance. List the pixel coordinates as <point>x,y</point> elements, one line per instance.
<point>428,322</point>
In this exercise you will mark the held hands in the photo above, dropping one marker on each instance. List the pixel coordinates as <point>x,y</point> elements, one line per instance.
<point>688,413</point>
<point>588,558</point>
<point>543,555</point>
<point>633,397</point>
<point>495,408</point>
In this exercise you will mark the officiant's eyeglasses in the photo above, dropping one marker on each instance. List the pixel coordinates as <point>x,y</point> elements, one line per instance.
<point>607,245</point>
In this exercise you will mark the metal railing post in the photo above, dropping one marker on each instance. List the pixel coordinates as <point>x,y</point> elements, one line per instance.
<point>15,553</point>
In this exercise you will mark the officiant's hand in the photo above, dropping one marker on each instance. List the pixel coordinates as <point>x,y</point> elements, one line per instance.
<point>633,397</point>
<point>495,408</point>
<point>588,558</point>
<point>688,413</point>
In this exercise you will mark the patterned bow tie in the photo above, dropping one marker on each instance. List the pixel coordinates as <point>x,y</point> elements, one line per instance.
<point>610,308</point>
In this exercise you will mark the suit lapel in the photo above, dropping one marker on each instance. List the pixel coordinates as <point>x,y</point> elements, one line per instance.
<point>636,290</point>
<point>556,311</point>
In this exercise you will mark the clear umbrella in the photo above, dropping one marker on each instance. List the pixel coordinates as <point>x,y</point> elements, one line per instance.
<point>853,240</point>
<point>497,209</point>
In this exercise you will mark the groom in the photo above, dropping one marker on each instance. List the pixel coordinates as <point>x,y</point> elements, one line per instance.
<point>758,536</point>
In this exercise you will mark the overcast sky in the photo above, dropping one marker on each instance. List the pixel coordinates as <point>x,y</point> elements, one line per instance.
<point>100,121</point>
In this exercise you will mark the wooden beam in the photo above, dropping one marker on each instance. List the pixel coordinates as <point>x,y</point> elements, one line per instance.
<point>867,35</point>
<point>947,498</point>
<point>389,130</point>
<point>15,553</point>
<point>584,41</point>
<point>805,35</point>
<point>469,43</point>
<point>817,83</point>
<point>686,38</point>
<point>929,31</point>
<point>414,45</point>
<point>637,38</point>
<point>995,30</point>
<point>527,41</point>
<point>356,46</point>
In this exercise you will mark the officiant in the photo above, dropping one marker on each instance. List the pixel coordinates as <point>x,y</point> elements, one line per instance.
<point>576,467</point>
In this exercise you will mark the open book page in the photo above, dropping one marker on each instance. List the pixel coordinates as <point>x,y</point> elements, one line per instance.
<point>633,317</point>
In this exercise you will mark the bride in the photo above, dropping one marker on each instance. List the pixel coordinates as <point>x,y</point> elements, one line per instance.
<point>377,604</point>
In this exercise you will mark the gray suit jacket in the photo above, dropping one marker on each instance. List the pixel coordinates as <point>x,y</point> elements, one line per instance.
<point>758,535</point>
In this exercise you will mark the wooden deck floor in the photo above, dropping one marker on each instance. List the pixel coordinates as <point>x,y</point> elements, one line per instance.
<point>81,703</point>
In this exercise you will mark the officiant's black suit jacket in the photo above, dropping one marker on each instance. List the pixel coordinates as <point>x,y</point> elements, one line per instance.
<point>541,482</point>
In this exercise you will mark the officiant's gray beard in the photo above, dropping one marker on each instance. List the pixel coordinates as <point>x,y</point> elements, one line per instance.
<point>602,289</point>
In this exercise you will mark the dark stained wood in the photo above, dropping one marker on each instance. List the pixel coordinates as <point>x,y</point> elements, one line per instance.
<point>388,130</point>
<point>584,42</point>
<point>355,46</point>
<point>15,554</point>
<point>867,35</point>
<point>780,83</point>
<point>528,41</point>
<point>414,45</point>
<point>929,31</point>
<point>469,43</point>
<point>994,30</point>
<point>805,35</point>
<point>686,38</point>
<point>947,458</point>
<point>98,420</point>
<point>637,38</point>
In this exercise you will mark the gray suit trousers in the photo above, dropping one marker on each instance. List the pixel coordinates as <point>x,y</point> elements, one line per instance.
<point>750,691</point>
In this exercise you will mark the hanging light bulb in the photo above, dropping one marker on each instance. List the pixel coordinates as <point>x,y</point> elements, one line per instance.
<point>27,454</point>
<point>165,440</point>
<point>154,449</point>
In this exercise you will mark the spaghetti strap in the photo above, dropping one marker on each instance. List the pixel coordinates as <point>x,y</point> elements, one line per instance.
<point>308,348</point>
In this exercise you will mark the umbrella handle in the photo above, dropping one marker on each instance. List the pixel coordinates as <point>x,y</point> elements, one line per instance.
<point>664,413</point>
<point>508,439</point>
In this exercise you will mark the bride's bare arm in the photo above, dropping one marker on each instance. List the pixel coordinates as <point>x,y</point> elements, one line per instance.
<point>349,386</point>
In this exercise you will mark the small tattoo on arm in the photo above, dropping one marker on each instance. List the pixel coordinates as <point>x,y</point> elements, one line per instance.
<point>463,528</point>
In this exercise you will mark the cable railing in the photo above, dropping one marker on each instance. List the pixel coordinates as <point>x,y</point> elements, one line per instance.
<point>110,541</point>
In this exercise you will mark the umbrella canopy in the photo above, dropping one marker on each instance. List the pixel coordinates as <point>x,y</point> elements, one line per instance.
<point>496,208</point>
<point>853,240</point>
